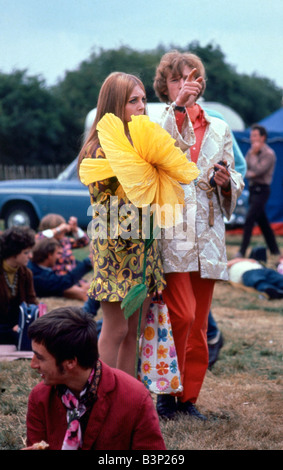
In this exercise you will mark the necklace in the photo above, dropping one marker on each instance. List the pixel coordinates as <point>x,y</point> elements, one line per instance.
<point>12,286</point>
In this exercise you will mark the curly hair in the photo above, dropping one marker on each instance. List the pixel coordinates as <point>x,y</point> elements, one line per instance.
<point>174,62</point>
<point>14,240</point>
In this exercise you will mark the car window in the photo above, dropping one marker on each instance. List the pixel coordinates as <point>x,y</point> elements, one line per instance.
<point>70,173</point>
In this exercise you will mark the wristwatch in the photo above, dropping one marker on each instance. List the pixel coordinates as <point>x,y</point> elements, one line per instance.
<point>182,109</point>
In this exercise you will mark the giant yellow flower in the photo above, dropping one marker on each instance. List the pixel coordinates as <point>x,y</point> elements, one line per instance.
<point>149,166</point>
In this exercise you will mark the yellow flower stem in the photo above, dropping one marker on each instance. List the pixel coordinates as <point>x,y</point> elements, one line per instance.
<point>138,343</point>
<point>140,316</point>
<point>146,246</point>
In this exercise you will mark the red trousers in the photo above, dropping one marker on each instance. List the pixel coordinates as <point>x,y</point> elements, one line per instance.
<point>188,298</point>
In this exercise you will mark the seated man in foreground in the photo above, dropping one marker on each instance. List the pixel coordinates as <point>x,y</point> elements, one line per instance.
<point>82,403</point>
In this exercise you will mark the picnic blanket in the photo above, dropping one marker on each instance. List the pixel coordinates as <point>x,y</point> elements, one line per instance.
<point>9,352</point>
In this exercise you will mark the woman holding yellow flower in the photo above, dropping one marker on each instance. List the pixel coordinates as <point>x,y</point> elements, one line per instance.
<point>118,262</point>
<point>127,162</point>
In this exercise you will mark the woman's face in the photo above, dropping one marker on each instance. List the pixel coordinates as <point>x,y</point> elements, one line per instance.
<point>135,104</point>
<point>22,258</point>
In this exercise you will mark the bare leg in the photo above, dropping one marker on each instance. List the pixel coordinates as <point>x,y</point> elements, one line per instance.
<point>114,329</point>
<point>118,337</point>
<point>127,351</point>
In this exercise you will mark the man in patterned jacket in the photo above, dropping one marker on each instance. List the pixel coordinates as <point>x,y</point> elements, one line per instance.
<point>196,258</point>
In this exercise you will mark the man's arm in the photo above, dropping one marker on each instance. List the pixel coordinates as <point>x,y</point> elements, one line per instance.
<point>228,202</point>
<point>264,162</point>
<point>147,434</point>
<point>36,427</point>
<point>47,283</point>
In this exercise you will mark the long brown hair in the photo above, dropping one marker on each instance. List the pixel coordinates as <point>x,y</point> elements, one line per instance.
<point>113,97</point>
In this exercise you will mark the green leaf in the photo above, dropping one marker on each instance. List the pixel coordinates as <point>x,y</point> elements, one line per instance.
<point>148,242</point>
<point>134,299</point>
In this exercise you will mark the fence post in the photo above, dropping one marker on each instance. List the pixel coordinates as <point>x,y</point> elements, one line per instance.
<point>17,172</point>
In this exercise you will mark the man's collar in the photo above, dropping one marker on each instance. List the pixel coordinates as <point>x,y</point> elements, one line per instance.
<point>47,268</point>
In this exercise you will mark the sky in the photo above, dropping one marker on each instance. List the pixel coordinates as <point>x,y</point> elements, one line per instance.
<point>50,37</point>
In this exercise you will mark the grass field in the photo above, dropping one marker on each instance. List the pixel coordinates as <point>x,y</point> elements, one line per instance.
<point>242,395</point>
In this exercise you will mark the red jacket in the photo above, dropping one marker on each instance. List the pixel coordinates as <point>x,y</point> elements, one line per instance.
<point>122,418</point>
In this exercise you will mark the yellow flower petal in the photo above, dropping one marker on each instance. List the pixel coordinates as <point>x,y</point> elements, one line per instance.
<point>131,169</point>
<point>157,147</point>
<point>149,170</point>
<point>94,169</point>
<point>112,137</point>
<point>169,198</point>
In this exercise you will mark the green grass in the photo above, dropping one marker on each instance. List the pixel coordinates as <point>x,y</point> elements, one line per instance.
<point>242,395</point>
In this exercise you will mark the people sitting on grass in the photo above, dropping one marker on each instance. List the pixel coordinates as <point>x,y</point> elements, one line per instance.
<point>49,284</point>
<point>70,237</point>
<point>252,273</point>
<point>16,280</point>
<point>82,403</point>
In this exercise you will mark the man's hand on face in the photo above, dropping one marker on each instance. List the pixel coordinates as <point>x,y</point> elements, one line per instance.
<point>256,146</point>
<point>190,90</point>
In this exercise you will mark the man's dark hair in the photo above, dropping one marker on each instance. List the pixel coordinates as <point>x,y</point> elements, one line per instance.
<point>14,240</point>
<point>67,333</point>
<point>260,129</point>
<point>43,248</point>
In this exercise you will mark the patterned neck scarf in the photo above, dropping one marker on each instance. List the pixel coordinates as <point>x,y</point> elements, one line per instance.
<point>76,408</point>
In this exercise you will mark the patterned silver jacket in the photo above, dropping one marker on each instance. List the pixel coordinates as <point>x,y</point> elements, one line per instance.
<point>194,245</point>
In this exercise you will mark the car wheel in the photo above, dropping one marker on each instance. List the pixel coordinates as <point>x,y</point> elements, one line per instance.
<point>20,214</point>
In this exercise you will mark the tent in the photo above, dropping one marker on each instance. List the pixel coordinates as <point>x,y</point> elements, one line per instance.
<point>274,127</point>
<point>274,122</point>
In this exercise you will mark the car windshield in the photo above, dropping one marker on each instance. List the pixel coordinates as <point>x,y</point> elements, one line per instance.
<point>70,173</point>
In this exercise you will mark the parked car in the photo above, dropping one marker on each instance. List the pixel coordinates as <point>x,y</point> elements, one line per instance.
<point>25,202</point>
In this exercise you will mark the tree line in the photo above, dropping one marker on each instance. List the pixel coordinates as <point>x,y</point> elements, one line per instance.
<point>42,125</point>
